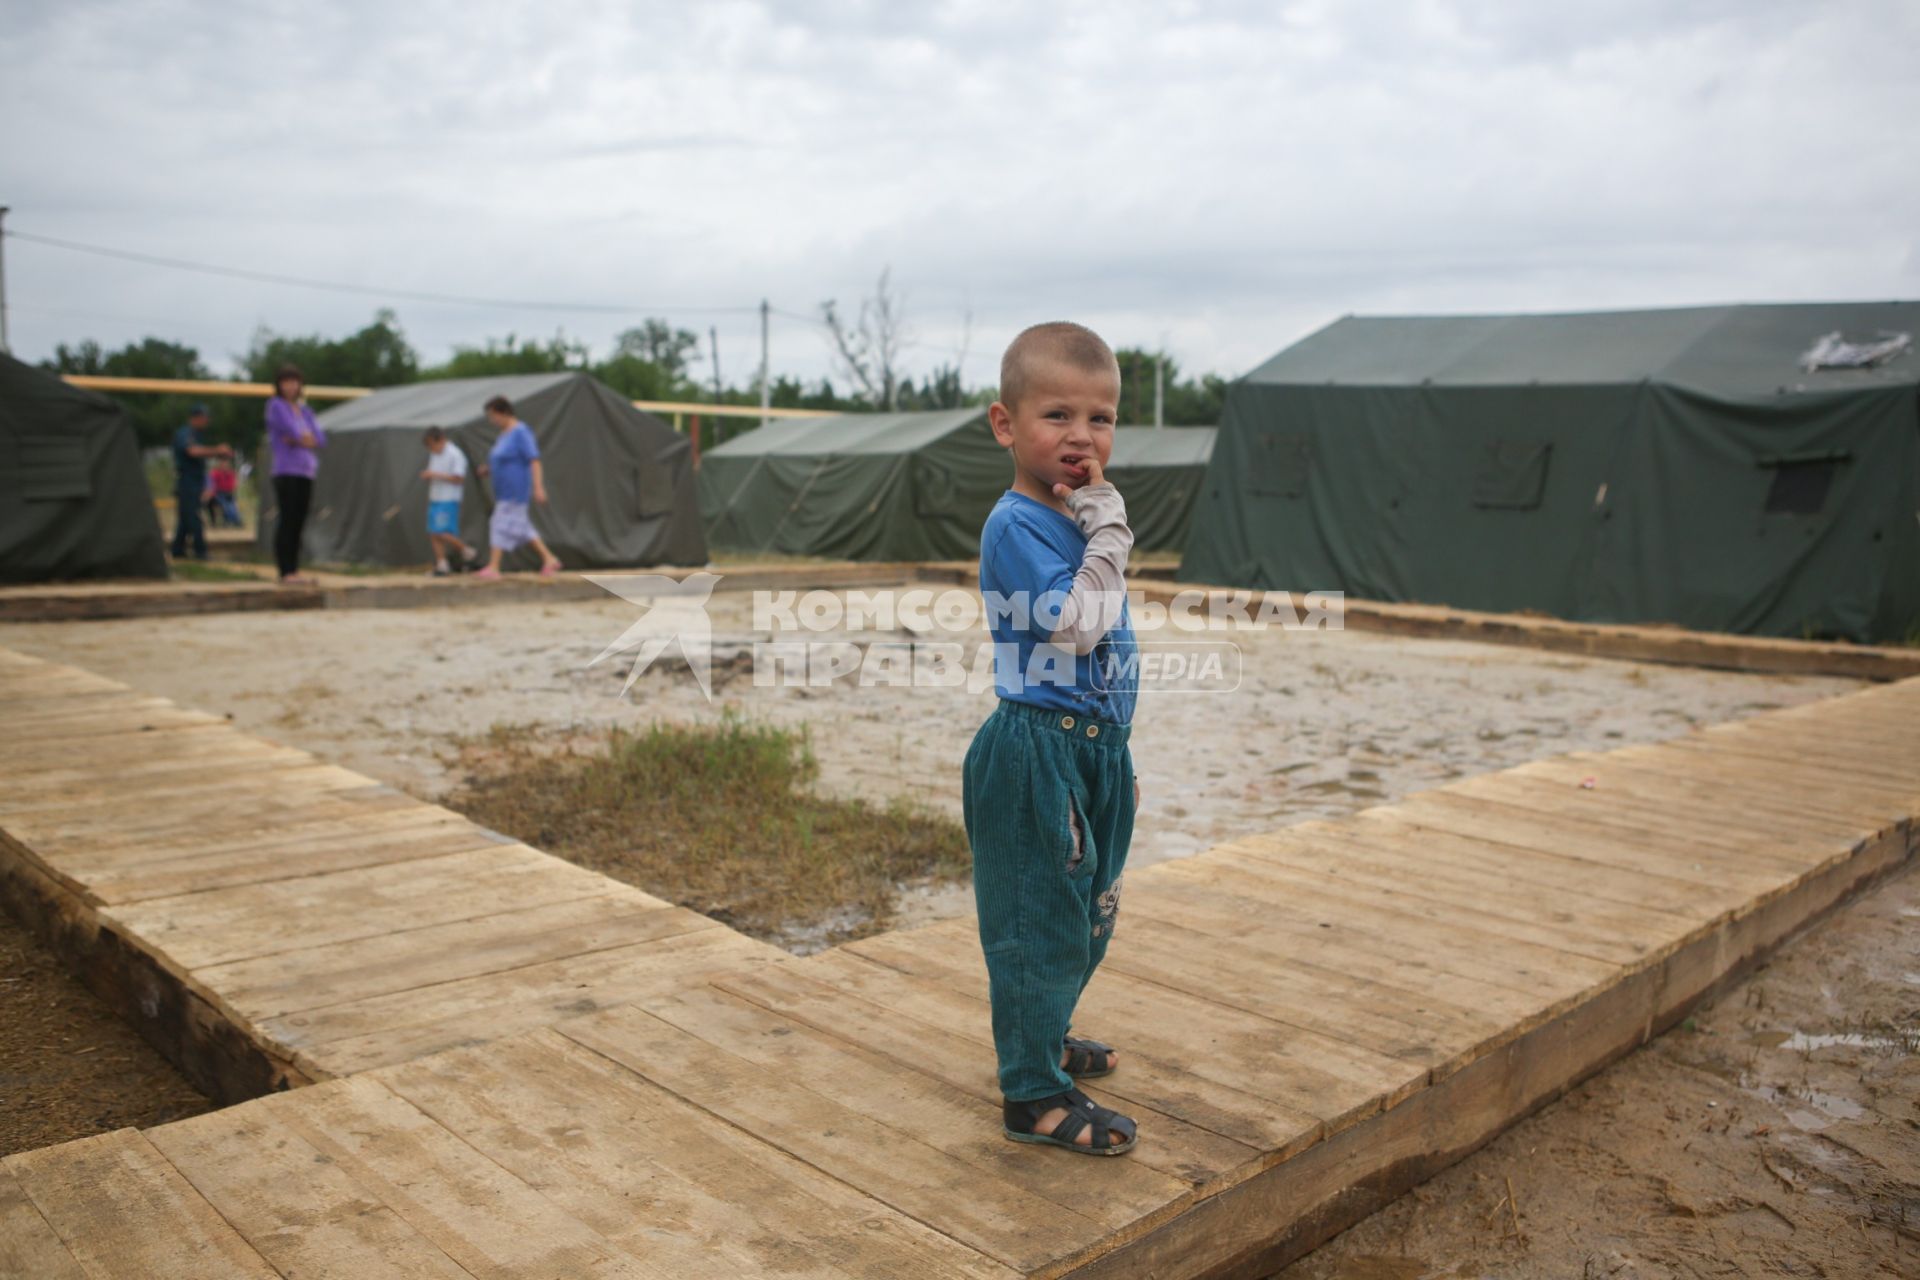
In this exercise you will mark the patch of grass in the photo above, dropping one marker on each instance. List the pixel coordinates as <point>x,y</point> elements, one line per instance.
<point>202,571</point>
<point>721,818</point>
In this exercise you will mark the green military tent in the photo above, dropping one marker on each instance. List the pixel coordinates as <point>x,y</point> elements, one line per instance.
<point>74,501</point>
<point>1160,471</point>
<point>620,481</point>
<point>1752,469</point>
<point>859,486</point>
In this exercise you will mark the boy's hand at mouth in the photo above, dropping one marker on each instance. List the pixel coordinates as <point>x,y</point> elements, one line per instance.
<point>1084,470</point>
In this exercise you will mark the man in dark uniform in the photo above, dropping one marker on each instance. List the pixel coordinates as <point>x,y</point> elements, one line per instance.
<point>190,454</point>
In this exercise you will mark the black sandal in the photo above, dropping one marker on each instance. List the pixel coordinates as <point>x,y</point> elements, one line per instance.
<point>1108,1124</point>
<point>1086,1059</point>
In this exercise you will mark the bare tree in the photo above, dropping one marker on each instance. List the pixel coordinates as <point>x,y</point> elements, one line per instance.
<point>868,349</point>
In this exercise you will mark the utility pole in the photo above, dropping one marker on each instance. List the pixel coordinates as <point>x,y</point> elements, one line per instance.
<point>3,280</point>
<point>766,382</point>
<point>1160,389</point>
<point>713,336</point>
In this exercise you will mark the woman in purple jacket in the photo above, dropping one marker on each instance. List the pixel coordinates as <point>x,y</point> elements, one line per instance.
<point>296,440</point>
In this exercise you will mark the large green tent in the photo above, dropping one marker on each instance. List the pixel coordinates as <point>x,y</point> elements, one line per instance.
<point>1706,466</point>
<point>620,481</point>
<point>74,501</point>
<point>859,486</point>
<point>1160,472</point>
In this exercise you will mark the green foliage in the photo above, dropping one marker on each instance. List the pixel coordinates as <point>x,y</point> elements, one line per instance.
<point>376,356</point>
<point>155,418</point>
<point>658,343</point>
<point>512,355</point>
<point>1185,404</point>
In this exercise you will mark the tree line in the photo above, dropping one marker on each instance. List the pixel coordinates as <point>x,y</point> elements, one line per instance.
<point>651,361</point>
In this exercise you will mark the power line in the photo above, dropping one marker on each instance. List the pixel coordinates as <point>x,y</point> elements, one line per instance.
<point>401,295</point>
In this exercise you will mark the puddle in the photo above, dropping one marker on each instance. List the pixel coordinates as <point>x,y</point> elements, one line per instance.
<point>1885,1039</point>
<point>1811,1110</point>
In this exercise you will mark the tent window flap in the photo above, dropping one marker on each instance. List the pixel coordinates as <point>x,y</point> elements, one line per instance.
<point>1281,461</point>
<point>53,469</point>
<point>653,490</point>
<point>1800,485</point>
<point>1512,475</point>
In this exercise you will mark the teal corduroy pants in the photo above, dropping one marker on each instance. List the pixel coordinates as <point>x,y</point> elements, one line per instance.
<point>1048,799</point>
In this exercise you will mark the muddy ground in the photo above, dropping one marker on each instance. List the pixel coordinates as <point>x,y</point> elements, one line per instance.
<point>1777,1133</point>
<point>69,1066</point>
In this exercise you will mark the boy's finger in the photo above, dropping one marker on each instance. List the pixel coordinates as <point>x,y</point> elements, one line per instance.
<point>1094,473</point>
<point>1061,491</point>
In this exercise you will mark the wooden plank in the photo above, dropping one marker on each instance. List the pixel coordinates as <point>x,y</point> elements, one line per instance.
<point>1332,1080</point>
<point>122,1210</point>
<point>1387,1020</point>
<point>1549,876</point>
<point>408,1024</point>
<point>198,930</point>
<point>77,732</point>
<point>55,839</point>
<point>1676,857</point>
<point>1309,876</point>
<point>1724,841</point>
<point>1147,1081</point>
<point>292,1202</point>
<point>977,1194</point>
<point>1618,930</point>
<point>488,1221</point>
<point>195,741</point>
<point>883,1033</point>
<point>238,756</point>
<point>206,797</point>
<point>1769,758</point>
<point>662,1178</point>
<point>1734,803</point>
<point>222,869</point>
<point>315,978</point>
<point>291,840</point>
<point>1336,943</point>
<point>1797,788</point>
<point>1397,1018</point>
<point>1515,953</point>
<point>30,1249</point>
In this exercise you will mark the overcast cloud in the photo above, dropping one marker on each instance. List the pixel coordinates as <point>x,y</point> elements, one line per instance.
<point>1223,177</point>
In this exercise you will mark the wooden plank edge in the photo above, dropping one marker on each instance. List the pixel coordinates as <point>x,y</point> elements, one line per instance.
<point>1674,646</point>
<point>1283,1213</point>
<point>213,1049</point>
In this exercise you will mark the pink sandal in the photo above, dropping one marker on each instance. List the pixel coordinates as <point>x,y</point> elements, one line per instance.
<point>551,569</point>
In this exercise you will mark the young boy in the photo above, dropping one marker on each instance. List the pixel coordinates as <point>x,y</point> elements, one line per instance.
<point>514,462</point>
<point>1050,792</point>
<point>446,477</point>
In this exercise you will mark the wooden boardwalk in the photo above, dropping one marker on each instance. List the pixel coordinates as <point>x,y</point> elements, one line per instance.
<point>523,1070</point>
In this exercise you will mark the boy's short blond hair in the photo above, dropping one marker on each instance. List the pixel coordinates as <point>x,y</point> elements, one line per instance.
<point>1061,340</point>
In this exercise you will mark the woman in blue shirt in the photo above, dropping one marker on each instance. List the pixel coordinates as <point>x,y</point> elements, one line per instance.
<point>514,463</point>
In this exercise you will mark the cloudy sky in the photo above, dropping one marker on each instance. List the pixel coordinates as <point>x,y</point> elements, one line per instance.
<point>1222,178</point>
